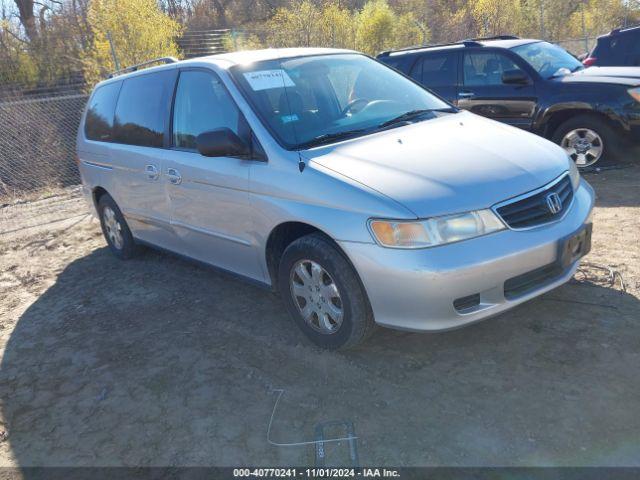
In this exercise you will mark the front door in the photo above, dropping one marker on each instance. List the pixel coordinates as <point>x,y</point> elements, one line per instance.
<point>209,197</point>
<point>484,93</point>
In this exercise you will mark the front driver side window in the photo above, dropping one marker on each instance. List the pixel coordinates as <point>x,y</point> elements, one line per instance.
<point>486,68</point>
<point>202,104</point>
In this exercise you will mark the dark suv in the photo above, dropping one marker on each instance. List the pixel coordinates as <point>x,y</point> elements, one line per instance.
<point>621,47</point>
<point>593,113</point>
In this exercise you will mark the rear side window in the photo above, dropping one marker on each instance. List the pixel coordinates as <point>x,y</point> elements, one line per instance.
<point>98,123</point>
<point>436,70</point>
<point>394,62</point>
<point>142,109</point>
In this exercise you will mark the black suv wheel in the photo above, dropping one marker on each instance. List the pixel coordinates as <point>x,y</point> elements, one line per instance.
<point>588,140</point>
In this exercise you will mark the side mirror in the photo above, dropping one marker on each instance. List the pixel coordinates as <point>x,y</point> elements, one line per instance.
<point>221,142</point>
<point>515,77</point>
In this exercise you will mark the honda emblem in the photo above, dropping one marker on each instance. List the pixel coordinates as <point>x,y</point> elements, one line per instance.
<point>554,203</point>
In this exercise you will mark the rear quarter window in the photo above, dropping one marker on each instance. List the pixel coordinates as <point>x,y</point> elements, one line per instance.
<point>436,69</point>
<point>142,109</point>
<point>396,62</point>
<point>98,123</point>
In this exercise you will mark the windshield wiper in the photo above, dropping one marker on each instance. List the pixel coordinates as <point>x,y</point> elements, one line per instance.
<point>405,117</point>
<point>331,137</point>
<point>413,114</point>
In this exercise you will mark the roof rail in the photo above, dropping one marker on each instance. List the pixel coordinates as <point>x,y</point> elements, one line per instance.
<point>622,29</point>
<point>496,37</point>
<point>133,68</point>
<point>466,43</point>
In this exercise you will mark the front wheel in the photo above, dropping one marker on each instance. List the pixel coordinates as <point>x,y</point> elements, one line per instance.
<point>323,293</point>
<point>588,140</point>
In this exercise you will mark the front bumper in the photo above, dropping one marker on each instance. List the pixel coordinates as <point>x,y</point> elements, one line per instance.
<point>416,289</point>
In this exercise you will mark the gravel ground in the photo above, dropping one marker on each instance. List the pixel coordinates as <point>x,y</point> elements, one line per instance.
<point>157,361</point>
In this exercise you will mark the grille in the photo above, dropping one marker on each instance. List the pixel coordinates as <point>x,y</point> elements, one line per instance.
<point>533,210</point>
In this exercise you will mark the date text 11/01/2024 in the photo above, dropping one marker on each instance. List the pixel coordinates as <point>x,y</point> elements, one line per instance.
<point>315,473</point>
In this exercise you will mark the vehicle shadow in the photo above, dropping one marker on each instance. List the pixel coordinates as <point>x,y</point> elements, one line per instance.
<point>160,362</point>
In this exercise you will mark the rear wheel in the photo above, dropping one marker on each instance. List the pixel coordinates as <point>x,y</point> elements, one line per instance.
<point>115,229</point>
<point>588,140</point>
<point>323,293</point>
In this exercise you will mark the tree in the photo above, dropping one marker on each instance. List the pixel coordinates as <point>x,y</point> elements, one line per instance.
<point>379,27</point>
<point>375,27</point>
<point>28,18</point>
<point>297,26</point>
<point>139,31</point>
<point>496,18</point>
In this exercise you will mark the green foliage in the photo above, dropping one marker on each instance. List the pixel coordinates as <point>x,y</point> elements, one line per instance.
<point>17,67</point>
<point>375,27</point>
<point>73,36</point>
<point>237,41</point>
<point>495,18</point>
<point>139,31</point>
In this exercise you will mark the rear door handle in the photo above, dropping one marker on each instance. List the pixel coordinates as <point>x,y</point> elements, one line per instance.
<point>174,176</point>
<point>466,95</point>
<point>151,171</point>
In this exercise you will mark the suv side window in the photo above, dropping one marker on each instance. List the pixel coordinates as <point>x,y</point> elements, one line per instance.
<point>142,109</point>
<point>98,124</point>
<point>486,68</point>
<point>436,69</point>
<point>202,103</point>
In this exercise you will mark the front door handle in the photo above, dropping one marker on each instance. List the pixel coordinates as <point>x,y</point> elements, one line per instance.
<point>151,171</point>
<point>466,95</point>
<point>174,176</point>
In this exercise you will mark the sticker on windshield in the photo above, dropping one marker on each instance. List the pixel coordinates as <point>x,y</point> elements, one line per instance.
<point>289,118</point>
<point>267,79</point>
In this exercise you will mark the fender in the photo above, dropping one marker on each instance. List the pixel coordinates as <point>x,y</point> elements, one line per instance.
<point>544,115</point>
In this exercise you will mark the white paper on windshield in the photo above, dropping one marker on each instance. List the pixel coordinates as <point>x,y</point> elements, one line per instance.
<point>266,79</point>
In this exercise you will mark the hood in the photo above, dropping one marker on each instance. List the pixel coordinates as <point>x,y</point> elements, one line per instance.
<point>454,163</point>
<point>618,75</point>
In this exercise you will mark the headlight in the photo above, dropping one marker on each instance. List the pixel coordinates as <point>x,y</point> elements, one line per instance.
<point>435,231</point>
<point>574,173</point>
<point>635,93</point>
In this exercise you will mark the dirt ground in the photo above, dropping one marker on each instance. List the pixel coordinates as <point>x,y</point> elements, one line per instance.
<point>157,361</point>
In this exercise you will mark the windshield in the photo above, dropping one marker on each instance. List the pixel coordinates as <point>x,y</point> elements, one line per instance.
<point>548,60</point>
<point>315,99</point>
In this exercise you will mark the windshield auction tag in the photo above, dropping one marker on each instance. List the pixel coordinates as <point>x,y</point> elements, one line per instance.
<point>267,79</point>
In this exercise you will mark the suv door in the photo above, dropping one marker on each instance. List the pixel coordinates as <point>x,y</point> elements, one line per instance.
<point>483,91</point>
<point>209,197</point>
<point>438,71</point>
<point>137,153</point>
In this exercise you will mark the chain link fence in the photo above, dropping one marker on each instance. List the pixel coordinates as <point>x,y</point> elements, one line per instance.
<point>39,179</point>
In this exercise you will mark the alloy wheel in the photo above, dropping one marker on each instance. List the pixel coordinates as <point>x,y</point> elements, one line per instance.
<point>584,146</point>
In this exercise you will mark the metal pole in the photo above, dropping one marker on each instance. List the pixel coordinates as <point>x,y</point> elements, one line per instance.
<point>113,51</point>
<point>584,31</point>
<point>541,19</point>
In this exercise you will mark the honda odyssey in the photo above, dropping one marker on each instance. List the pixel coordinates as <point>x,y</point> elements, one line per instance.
<point>358,195</point>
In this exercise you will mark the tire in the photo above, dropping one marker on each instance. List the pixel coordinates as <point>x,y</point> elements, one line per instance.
<point>111,218</point>
<point>356,320</point>
<point>579,125</point>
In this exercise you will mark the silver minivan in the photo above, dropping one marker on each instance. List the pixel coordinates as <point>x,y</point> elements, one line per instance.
<point>357,194</point>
